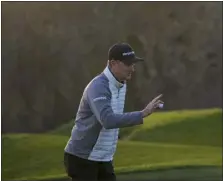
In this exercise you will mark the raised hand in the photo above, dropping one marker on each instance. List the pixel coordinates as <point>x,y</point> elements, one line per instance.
<point>152,106</point>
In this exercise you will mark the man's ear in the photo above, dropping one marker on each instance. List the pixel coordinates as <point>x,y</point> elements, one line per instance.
<point>112,62</point>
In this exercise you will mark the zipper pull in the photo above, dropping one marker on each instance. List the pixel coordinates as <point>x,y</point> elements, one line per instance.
<point>118,94</point>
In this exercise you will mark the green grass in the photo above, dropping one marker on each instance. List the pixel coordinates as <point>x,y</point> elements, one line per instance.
<point>30,156</point>
<point>64,129</point>
<point>187,139</point>
<point>42,155</point>
<point>201,127</point>
<point>135,155</point>
<point>191,173</point>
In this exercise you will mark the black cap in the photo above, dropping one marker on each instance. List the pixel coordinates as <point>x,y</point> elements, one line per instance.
<point>124,53</point>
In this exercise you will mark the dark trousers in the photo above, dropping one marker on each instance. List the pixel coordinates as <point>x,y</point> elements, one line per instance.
<point>86,170</point>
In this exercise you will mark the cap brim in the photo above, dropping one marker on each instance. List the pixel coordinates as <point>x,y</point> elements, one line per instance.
<point>133,60</point>
<point>138,59</point>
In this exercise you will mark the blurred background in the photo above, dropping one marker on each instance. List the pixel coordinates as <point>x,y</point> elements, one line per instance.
<point>50,52</point>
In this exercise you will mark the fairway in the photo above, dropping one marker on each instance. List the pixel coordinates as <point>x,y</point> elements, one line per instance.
<point>161,149</point>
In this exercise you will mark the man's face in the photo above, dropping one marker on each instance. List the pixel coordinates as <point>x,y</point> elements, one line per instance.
<point>123,70</point>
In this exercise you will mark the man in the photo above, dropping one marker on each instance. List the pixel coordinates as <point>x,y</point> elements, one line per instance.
<point>91,147</point>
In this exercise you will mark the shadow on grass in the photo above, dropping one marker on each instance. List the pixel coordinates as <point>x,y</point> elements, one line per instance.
<point>187,173</point>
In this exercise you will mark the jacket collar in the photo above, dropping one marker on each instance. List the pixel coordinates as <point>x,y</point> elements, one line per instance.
<point>111,78</point>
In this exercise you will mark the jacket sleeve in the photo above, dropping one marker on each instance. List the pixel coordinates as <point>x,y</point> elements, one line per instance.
<point>99,98</point>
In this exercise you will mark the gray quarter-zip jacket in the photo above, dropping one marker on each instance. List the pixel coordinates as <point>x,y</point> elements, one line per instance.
<point>99,117</point>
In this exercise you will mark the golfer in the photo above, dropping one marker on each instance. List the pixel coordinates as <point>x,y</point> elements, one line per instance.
<point>89,152</point>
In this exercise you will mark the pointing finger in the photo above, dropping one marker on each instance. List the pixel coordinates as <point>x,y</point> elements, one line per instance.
<point>156,98</point>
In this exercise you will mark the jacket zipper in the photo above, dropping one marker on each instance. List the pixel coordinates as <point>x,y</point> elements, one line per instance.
<point>118,92</point>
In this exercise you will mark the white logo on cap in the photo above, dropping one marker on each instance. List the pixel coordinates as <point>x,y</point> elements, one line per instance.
<point>128,53</point>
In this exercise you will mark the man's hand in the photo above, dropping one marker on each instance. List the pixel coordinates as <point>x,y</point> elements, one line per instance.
<point>152,106</point>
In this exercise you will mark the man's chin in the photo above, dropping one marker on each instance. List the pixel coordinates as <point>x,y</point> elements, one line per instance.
<point>129,77</point>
